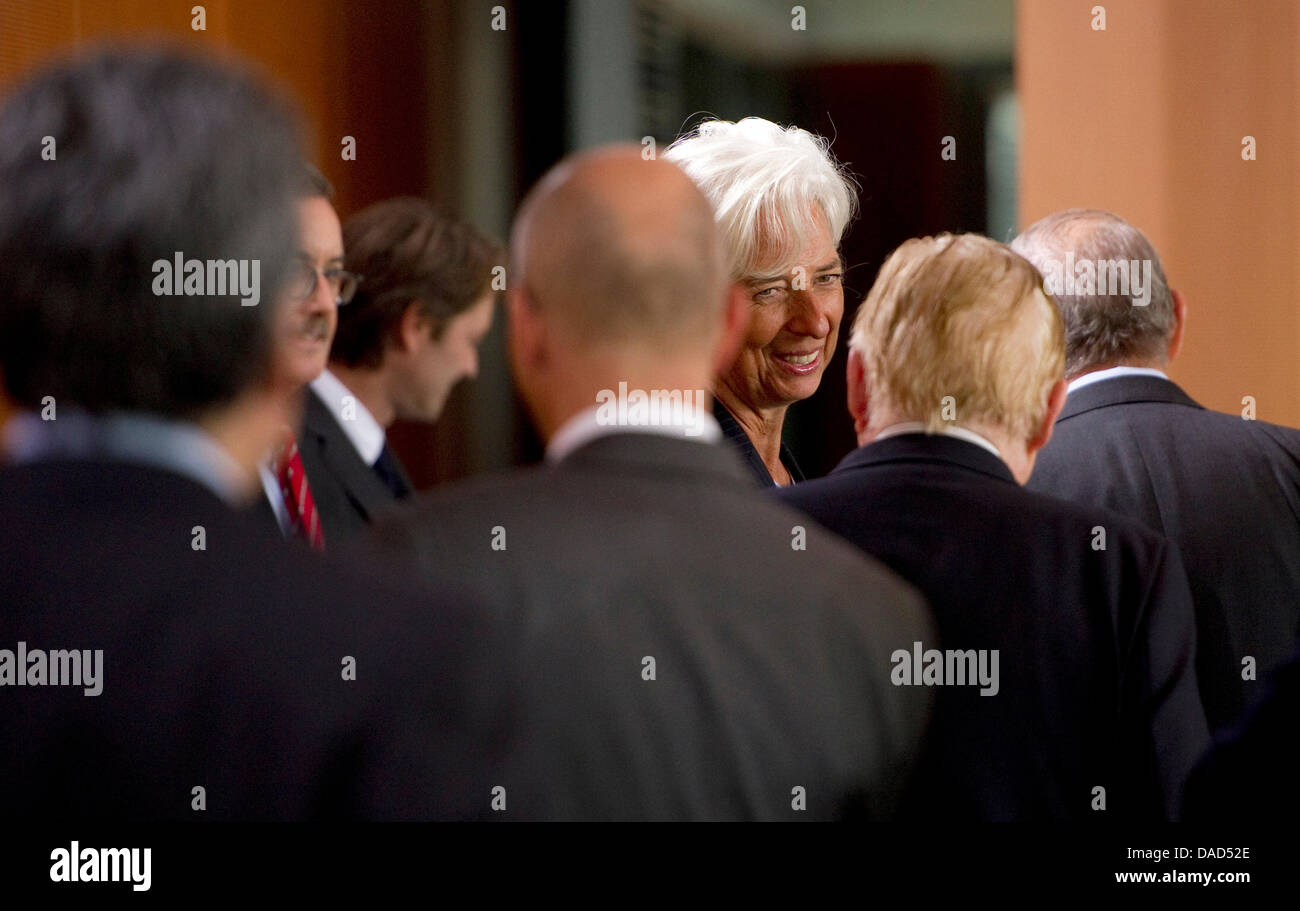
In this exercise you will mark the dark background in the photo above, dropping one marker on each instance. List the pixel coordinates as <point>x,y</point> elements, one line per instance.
<point>443,105</point>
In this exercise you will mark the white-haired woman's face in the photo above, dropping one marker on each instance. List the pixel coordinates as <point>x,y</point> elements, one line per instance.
<point>795,321</point>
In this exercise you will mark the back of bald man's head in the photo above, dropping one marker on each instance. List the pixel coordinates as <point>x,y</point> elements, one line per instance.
<point>623,252</point>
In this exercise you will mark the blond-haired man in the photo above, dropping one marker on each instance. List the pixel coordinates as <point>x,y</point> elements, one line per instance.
<point>1066,686</point>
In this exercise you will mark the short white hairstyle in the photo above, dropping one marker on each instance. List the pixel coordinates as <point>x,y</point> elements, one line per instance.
<point>764,181</point>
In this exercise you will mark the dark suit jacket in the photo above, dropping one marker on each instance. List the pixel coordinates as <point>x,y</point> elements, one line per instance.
<point>736,436</point>
<point>1250,775</point>
<point>223,667</point>
<point>348,493</point>
<point>1095,647</point>
<point>770,663</point>
<point>1225,490</point>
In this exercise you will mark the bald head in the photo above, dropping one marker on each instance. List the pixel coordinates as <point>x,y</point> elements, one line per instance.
<point>1108,282</point>
<point>618,251</point>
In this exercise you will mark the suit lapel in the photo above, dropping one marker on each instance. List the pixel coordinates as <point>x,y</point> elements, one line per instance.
<point>733,432</point>
<point>358,480</point>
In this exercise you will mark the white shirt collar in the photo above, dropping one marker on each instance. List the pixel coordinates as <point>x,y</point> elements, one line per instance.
<point>271,487</point>
<point>359,425</point>
<point>587,425</point>
<point>133,437</point>
<point>1112,373</point>
<point>950,430</point>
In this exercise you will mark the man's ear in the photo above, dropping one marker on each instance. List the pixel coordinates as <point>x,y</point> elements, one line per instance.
<point>858,396</point>
<point>412,328</point>
<point>1180,321</point>
<point>735,327</point>
<point>525,330</point>
<point>1055,402</point>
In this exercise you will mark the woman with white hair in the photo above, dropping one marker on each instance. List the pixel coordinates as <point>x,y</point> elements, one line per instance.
<point>782,203</point>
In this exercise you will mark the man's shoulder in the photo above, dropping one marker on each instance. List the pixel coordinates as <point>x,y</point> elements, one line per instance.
<point>815,548</point>
<point>85,487</point>
<point>991,512</point>
<point>1073,516</point>
<point>505,493</point>
<point>543,493</point>
<point>317,416</point>
<point>818,490</point>
<point>194,542</point>
<point>1287,438</point>
<point>1200,435</point>
<point>864,489</point>
<point>546,510</point>
<point>1131,421</point>
<point>1174,410</point>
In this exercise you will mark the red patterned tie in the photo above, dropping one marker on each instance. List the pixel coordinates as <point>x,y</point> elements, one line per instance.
<point>304,520</point>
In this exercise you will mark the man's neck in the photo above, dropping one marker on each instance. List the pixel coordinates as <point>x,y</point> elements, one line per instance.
<point>577,393</point>
<point>247,430</point>
<point>1111,365</point>
<point>370,388</point>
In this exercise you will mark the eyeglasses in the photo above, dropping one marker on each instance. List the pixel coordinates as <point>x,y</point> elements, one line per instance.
<point>303,276</point>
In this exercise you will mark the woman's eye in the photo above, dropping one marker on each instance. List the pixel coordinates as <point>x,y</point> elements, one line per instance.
<point>830,278</point>
<point>767,293</point>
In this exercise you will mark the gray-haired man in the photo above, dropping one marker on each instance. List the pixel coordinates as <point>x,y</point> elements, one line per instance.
<point>1226,490</point>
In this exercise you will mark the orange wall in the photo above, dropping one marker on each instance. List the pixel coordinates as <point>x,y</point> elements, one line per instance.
<point>1146,119</point>
<point>356,69</point>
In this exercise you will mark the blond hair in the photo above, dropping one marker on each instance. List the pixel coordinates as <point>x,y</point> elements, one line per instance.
<point>959,329</point>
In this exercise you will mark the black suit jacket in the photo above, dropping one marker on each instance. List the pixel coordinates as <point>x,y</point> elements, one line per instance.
<point>736,436</point>
<point>642,555</point>
<point>223,667</point>
<point>1250,774</point>
<point>348,493</point>
<point>1224,489</point>
<point>1095,646</point>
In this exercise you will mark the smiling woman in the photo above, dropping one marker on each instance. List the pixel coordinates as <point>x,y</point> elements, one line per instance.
<point>782,203</point>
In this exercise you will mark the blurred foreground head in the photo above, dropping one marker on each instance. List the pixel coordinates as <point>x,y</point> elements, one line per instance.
<point>957,331</point>
<point>617,275</point>
<point>109,164</point>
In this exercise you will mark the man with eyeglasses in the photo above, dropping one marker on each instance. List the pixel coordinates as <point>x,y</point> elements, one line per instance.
<point>219,687</point>
<point>408,337</point>
<point>317,286</point>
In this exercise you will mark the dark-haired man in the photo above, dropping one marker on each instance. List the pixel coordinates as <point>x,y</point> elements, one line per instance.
<point>318,285</point>
<point>159,657</point>
<point>409,335</point>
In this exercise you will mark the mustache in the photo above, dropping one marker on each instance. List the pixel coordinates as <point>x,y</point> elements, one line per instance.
<point>312,326</point>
